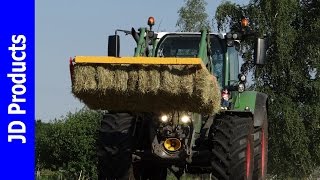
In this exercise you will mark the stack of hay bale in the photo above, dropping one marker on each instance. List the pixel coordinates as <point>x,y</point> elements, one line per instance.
<point>151,88</point>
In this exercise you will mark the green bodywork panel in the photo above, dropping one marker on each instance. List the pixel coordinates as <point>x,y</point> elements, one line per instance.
<point>226,70</point>
<point>203,49</point>
<point>240,101</point>
<point>141,45</point>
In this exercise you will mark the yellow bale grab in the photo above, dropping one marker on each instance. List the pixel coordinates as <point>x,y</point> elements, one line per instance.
<point>137,60</point>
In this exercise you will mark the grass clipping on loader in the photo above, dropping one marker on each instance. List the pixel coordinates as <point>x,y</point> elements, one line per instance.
<point>151,88</point>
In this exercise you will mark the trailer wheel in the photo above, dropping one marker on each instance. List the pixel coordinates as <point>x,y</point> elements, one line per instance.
<point>261,151</point>
<point>114,146</point>
<point>232,147</point>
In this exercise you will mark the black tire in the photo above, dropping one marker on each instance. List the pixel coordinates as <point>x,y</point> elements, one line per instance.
<point>149,171</point>
<point>261,151</point>
<point>232,147</point>
<point>115,147</point>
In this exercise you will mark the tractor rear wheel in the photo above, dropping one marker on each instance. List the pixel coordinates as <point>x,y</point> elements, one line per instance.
<point>115,146</point>
<point>261,151</point>
<point>232,147</point>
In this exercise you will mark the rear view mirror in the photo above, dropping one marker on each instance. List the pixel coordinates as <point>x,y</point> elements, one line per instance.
<point>260,51</point>
<point>114,46</point>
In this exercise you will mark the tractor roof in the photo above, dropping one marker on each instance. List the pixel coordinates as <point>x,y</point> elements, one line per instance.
<point>162,34</point>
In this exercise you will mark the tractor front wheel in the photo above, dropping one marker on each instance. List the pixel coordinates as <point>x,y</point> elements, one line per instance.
<point>115,146</point>
<point>232,147</point>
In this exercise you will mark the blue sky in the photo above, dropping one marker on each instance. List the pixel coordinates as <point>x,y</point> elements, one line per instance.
<point>66,28</point>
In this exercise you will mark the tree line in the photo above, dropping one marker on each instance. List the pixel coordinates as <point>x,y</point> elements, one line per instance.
<point>67,146</point>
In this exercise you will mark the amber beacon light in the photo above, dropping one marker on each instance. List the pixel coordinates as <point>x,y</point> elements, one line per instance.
<point>151,21</point>
<point>244,22</point>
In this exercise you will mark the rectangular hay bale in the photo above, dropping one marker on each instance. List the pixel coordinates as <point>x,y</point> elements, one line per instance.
<point>141,88</point>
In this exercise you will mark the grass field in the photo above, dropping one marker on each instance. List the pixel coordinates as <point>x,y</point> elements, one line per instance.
<point>49,175</point>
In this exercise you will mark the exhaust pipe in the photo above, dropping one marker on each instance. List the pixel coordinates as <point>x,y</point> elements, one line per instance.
<point>172,144</point>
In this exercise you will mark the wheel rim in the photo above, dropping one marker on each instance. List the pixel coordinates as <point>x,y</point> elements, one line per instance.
<point>248,159</point>
<point>263,152</point>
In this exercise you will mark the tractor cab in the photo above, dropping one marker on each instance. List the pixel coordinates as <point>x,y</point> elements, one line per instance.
<point>219,52</point>
<point>219,55</point>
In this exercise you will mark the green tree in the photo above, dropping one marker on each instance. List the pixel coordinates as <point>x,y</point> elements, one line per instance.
<point>43,129</point>
<point>290,78</point>
<point>309,50</point>
<point>68,144</point>
<point>193,16</point>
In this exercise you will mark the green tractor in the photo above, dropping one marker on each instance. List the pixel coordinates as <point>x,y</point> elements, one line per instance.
<point>231,144</point>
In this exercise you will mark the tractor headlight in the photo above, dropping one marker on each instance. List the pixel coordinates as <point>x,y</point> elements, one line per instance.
<point>242,77</point>
<point>229,35</point>
<point>235,36</point>
<point>241,87</point>
<point>185,119</point>
<point>164,118</point>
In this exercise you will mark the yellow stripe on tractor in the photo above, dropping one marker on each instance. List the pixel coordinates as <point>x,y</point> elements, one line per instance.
<point>138,60</point>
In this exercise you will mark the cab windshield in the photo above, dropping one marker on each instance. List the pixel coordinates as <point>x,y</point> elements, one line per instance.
<point>187,45</point>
